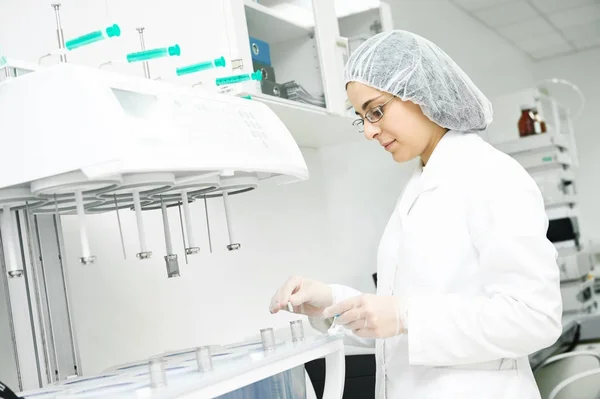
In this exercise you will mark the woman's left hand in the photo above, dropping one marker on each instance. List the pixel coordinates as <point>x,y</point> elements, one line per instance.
<point>369,316</point>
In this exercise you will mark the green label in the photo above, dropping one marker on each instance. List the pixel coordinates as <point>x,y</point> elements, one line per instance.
<point>547,159</point>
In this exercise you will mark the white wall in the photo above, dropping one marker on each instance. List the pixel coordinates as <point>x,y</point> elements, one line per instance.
<point>494,65</point>
<point>582,69</point>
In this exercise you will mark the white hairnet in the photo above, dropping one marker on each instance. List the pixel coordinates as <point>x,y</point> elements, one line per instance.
<point>416,70</point>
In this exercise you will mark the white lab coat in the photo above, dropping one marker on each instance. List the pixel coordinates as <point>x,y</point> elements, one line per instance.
<point>466,249</point>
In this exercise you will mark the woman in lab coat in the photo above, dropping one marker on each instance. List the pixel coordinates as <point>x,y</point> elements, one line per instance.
<point>468,284</point>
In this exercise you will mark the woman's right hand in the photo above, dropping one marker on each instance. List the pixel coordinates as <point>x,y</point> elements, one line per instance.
<point>308,297</point>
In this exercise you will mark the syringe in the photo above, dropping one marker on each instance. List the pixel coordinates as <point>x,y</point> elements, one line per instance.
<point>201,66</point>
<point>83,40</point>
<point>92,37</point>
<point>151,54</point>
<point>239,78</point>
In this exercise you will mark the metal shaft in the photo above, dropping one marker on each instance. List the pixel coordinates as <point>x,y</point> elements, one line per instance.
<point>61,250</point>
<point>143,47</point>
<point>191,247</point>
<point>232,244</point>
<point>48,310</point>
<point>59,31</point>
<point>86,257</point>
<point>11,319</point>
<point>182,233</point>
<point>187,214</point>
<point>120,227</point>
<point>207,225</point>
<point>165,216</point>
<point>6,229</point>
<point>33,255</point>
<point>137,206</point>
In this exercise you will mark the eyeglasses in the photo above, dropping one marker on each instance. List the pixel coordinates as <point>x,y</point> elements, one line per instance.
<point>373,115</point>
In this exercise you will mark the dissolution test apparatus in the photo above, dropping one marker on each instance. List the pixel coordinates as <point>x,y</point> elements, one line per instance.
<point>104,142</point>
<point>87,141</point>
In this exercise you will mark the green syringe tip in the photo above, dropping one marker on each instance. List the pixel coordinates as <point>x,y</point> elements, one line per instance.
<point>257,75</point>
<point>174,50</point>
<point>113,31</point>
<point>220,62</point>
<point>248,97</point>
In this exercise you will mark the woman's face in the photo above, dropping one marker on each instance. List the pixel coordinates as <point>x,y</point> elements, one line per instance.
<point>403,130</point>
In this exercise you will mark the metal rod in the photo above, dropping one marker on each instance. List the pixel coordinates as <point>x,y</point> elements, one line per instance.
<point>11,323</point>
<point>143,47</point>
<point>59,31</point>
<point>207,224</point>
<point>182,233</point>
<point>45,285</point>
<point>33,263</point>
<point>137,206</point>
<point>65,279</point>
<point>120,227</point>
<point>86,257</point>
<point>14,269</point>
<point>165,216</point>
<point>232,244</point>
<point>191,249</point>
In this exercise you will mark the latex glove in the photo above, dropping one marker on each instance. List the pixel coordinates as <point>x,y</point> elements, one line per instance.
<point>369,316</point>
<point>308,297</point>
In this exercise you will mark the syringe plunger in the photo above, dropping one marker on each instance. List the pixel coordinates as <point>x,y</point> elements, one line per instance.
<point>145,55</point>
<point>239,78</point>
<point>201,66</point>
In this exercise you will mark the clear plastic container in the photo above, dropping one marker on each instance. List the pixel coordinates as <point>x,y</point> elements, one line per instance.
<point>290,384</point>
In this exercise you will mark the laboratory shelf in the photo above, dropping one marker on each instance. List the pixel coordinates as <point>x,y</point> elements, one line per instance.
<point>567,199</point>
<point>239,367</point>
<point>562,211</point>
<point>535,163</point>
<point>273,26</point>
<point>311,126</point>
<point>536,142</point>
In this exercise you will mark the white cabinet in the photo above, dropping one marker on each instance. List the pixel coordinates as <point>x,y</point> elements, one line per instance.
<point>308,42</point>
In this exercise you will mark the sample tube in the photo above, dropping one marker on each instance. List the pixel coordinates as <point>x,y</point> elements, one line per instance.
<point>154,53</point>
<point>268,339</point>
<point>239,78</point>
<point>201,66</point>
<point>297,330</point>
<point>92,37</point>
<point>158,375</point>
<point>204,359</point>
